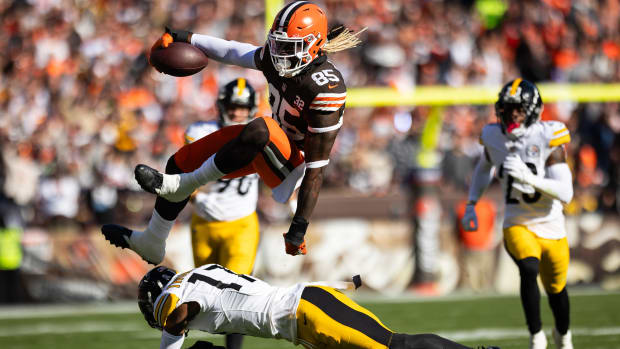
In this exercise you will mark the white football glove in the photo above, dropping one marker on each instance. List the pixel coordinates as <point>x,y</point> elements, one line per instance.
<point>470,219</point>
<point>523,176</point>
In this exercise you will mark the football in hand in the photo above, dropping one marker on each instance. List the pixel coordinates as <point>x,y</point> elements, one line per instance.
<point>178,59</point>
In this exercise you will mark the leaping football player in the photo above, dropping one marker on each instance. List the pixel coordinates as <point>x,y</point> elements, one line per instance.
<point>224,226</point>
<point>307,95</point>
<point>530,159</point>
<point>214,299</point>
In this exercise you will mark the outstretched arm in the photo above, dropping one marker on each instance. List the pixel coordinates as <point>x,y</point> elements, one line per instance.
<point>226,51</point>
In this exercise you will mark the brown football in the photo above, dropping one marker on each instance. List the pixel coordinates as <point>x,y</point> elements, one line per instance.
<point>178,59</point>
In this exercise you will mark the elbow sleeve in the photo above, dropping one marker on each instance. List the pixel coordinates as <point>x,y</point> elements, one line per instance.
<point>226,51</point>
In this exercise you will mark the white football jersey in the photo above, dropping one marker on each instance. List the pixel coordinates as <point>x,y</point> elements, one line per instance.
<point>539,213</point>
<point>232,303</point>
<point>226,199</point>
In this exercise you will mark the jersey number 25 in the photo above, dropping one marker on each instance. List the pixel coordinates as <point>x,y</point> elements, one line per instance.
<point>529,198</point>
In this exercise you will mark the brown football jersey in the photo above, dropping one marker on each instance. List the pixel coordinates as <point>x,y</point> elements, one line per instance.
<point>317,90</point>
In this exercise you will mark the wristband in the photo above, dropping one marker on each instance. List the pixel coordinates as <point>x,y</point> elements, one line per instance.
<point>297,231</point>
<point>179,35</point>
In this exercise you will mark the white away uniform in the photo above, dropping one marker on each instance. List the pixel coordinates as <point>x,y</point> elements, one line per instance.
<point>539,213</point>
<point>231,303</point>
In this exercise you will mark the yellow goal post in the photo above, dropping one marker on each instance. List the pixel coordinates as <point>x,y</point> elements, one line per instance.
<point>476,95</point>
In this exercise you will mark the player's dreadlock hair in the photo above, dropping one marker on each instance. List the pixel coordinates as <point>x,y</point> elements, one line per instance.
<point>341,38</point>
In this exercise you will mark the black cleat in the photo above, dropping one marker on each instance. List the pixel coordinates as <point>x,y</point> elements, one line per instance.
<point>117,235</point>
<point>148,178</point>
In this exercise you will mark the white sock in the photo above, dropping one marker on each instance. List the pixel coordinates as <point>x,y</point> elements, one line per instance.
<point>158,228</point>
<point>206,173</point>
<point>180,186</point>
<point>151,243</point>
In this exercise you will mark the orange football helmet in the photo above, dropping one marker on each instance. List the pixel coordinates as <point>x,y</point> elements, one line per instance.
<point>297,35</point>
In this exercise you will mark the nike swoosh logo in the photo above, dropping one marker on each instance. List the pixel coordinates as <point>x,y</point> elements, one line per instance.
<point>331,86</point>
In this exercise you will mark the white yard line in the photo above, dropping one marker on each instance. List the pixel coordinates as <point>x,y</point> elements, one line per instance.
<point>373,297</point>
<point>59,310</point>
<point>137,330</point>
<point>61,329</point>
<point>508,333</point>
<point>140,331</point>
<point>130,307</point>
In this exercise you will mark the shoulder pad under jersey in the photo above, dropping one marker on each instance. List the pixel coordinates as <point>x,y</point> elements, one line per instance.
<point>556,133</point>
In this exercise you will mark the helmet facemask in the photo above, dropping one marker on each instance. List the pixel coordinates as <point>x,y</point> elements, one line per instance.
<point>146,308</point>
<point>290,55</point>
<point>150,287</point>
<point>236,94</point>
<point>524,96</point>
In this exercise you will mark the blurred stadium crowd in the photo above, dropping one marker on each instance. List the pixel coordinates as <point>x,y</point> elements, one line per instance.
<point>80,107</point>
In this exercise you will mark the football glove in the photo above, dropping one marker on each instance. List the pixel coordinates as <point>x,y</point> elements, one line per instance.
<point>523,176</point>
<point>517,169</point>
<point>294,243</point>
<point>470,219</point>
<point>179,35</point>
<point>205,345</point>
<point>170,36</point>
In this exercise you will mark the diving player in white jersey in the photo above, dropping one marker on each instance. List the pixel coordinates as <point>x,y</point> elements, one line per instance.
<point>530,159</point>
<point>216,300</point>
<point>224,226</point>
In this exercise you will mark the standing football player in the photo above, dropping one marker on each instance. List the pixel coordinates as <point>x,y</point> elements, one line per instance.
<point>307,95</point>
<point>214,299</point>
<point>531,161</point>
<point>224,226</point>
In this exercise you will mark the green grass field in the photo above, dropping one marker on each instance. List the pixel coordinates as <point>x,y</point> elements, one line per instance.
<point>472,321</point>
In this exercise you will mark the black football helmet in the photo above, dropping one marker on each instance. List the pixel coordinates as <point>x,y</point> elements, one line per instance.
<point>521,94</point>
<point>236,93</point>
<point>150,288</point>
